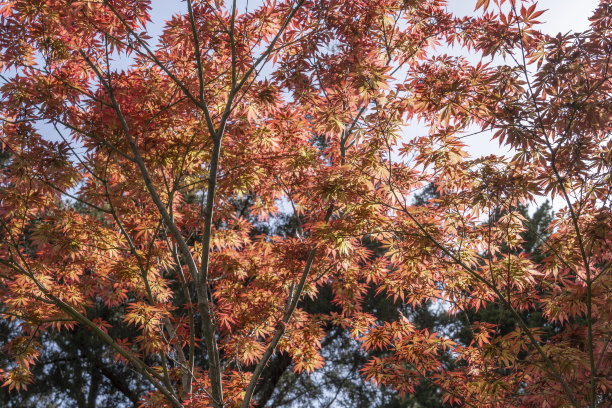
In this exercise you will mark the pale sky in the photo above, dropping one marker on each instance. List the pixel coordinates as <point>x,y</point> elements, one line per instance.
<point>561,16</point>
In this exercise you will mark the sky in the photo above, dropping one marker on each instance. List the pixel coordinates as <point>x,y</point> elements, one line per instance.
<point>561,16</point>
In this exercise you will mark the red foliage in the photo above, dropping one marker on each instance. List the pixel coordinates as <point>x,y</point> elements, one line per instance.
<point>159,153</point>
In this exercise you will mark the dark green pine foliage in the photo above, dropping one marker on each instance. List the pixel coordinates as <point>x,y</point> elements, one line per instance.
<point>339,383</point>
<point>77,371</point>
<point>536,234</point>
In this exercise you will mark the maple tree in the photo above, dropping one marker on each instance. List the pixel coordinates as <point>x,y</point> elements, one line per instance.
<point>160,153</point>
